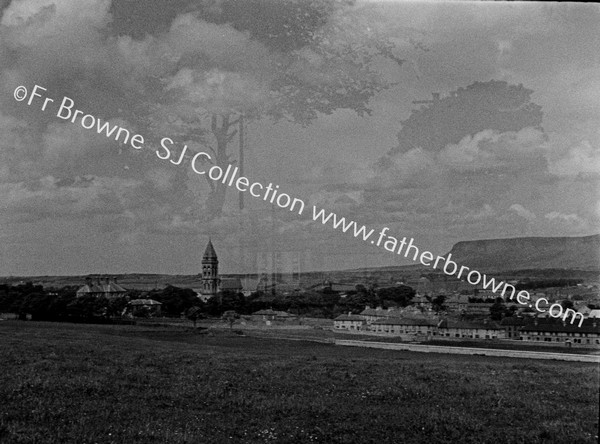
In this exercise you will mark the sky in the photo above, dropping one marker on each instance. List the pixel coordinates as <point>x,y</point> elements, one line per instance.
<point>327,96</point>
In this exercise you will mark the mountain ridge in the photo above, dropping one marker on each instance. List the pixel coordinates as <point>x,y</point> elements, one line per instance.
<point>578,252</point>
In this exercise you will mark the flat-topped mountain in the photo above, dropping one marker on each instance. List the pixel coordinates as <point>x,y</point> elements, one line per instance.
<point>579,253</point>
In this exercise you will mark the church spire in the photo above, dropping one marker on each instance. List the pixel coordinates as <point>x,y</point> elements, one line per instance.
<point>210,252</point>
<point>210,271</point>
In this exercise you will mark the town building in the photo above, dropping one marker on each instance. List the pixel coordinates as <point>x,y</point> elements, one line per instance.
<point>272,315</point>
<point>478,308</point>
<point>412,328</point>
<point>210,271</point>
<point>471,330</point>
<point>457,303</point>
<point>147,306</point>
<point>231,284</point>
<point>512,326</point>
<point>349,322</point>
<point>101,288</point>
<point>371,315</point>
<point>561,332</point>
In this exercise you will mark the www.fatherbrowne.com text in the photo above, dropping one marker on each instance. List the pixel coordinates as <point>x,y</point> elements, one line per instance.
<point>271,193</point>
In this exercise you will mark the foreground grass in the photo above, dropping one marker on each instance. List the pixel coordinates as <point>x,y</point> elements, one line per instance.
<point>104,384</point>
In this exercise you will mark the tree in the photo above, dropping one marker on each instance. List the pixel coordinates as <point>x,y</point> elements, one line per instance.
<point>497,311</point>
<point>437,303</point>
<point>493,105</point>
<point>401,294</point>
<point>565,304</point>
<point>194,314</point>
<point>302,59</point>
<point>174,300</point>
<point>230,316</point>
<point>88,307</point>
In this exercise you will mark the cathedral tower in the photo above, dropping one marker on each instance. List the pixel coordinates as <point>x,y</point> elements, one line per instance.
<point>210,271</point>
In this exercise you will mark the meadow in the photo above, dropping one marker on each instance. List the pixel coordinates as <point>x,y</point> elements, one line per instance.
<point>68,383</point>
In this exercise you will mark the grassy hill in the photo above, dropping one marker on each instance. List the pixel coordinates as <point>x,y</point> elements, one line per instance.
<point>106,384</point>
<point>578,253</point>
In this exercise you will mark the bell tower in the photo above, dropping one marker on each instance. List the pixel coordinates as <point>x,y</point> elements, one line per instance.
<point>210,271</point>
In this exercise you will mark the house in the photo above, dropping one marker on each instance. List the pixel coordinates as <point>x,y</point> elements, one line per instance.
<point>594,313</point>
<point>249,286</point>
<point>512,326</point>
<point>101,288</point>
<point>349,322</point>
<point>471,330</point>
<point>272,315</point>
<point>457,303</point>
<point>561,332</point>
<point>420,300</point>
<point>404,326</point>
<point>371,315</point>
<point>149,306</point>
<point>479,308</point>
<point>231,284</point>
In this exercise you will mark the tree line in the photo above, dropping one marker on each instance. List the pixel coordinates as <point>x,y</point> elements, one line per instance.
<point>63,304</point>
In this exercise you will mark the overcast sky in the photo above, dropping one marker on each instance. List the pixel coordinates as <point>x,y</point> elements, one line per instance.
<point>74,202</point>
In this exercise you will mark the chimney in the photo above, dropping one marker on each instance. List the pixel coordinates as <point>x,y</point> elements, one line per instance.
<point>535,321</point>
<point>349,313</point>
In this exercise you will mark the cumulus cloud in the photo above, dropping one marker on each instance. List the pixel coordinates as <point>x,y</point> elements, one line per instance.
<point>493,150</point>
<point>415,168</point>
<point>571,223</point>
<point>583,158</point>
<point>522,212</point>
<point>80,197</point>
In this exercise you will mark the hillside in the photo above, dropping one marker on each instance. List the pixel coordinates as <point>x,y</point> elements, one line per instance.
<point>581,253</point>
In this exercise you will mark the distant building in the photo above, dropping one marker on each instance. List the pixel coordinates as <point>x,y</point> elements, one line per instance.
<point>413,327</point>
<point>232,284</point>
<point>550,330</point>
<point>371,315</point>
<point>471,330</point>
<point>512,326</point>
<point>148,305</point>
<point>101,288</point>
<point>349,322</point>
<point>457,303</point>
<point>272,315</point>
<point>210,271</point>
<point>479,308</point>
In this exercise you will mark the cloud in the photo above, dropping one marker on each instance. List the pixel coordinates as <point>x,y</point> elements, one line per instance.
<point>415,168</point>
<point>50,197</point>
<point>570,223</point>
<point>583,158</point>
<point>522,212</point>
<point>490,149</point>
<point>29,22</point>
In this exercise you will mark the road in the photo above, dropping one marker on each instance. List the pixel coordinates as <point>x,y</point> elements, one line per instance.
<point>471,351</point>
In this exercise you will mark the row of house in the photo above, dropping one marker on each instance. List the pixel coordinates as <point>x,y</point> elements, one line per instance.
<point>412,328</point>
<point>538,330</point>
<point>549,330</point>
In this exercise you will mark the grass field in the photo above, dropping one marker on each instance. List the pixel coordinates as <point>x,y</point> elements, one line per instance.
<point>80,384</point>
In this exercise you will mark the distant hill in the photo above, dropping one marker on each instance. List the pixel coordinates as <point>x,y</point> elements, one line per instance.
<point>578,253</point>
